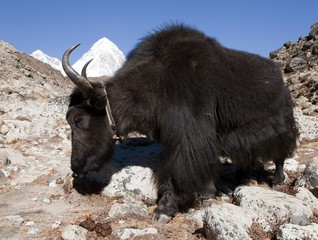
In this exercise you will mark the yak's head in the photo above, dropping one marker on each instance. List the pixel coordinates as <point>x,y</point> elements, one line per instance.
<point>92,143</point>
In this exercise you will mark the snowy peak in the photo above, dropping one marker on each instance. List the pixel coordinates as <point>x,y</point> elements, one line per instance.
<point>52,61</point>
<point>107,58</point>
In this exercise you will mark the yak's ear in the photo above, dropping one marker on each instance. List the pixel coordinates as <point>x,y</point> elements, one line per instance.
<point>98,98</point>
<point>76,98</point>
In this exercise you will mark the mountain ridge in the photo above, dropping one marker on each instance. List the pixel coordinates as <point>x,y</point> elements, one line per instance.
<point>107,58</point>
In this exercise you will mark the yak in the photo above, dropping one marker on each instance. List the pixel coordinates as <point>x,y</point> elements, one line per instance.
<point>201,101</point>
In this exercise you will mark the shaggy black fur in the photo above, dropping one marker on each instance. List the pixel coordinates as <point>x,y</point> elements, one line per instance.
<point>200,101</point>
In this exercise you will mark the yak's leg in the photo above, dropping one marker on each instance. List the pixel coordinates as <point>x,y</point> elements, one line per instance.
<point>209,191</point>
<point>243,174</point>
<point>169,202</point>
<point>279,176</point>
<point>213,189</point>
<point>208,194</point>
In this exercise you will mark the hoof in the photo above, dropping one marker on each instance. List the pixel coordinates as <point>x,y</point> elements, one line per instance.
<point>206,202</point>
<point>160,218</point>
<point>280,179</point>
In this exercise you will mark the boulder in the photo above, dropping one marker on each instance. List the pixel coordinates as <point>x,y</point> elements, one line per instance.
<point>275,207</point>
<point>309,178</point>
<point>132,180</point>
<point>227,221</point>
<point>295,232</point>
<point>294,64</point>
<point>305,195</point>
<point>74,232</point>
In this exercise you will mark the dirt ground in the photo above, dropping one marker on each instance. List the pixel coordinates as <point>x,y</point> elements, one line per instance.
<point>37,210</point>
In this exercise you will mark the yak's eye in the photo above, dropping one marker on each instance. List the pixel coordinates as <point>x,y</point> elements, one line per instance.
<point>81,122</point>
<point>77,120</point>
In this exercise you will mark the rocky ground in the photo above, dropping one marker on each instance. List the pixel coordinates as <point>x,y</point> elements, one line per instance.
<point>38,201</point>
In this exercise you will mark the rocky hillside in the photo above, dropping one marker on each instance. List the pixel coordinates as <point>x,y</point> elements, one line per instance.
<point>38,201</point>
<point>33,95</point>
<point>52,61</point>
<point>299,63</point>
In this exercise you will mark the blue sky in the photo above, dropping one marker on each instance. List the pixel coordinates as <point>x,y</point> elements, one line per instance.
<point>249,25</point>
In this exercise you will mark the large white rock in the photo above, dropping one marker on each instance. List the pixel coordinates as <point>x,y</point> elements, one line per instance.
<point>305,195</point>
<point>74,232</point>
<point>296,232</point>
<point>271,205</point>
<point>228,221</point>
<point>132,180</point>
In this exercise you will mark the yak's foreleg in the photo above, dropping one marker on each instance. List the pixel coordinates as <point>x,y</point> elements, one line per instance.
<point>279,176</point>
<point>206,197</point>
<point>243,174</point>
<point>169,202</point>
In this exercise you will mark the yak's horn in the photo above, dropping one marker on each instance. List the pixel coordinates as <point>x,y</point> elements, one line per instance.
<point>84,69</point>
<point>81,82</point>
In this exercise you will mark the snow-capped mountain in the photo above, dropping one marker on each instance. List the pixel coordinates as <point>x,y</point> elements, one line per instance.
<point>107,58</point>
<point>52,61</point>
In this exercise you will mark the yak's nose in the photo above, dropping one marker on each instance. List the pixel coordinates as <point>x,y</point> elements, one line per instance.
<point>77,172</point>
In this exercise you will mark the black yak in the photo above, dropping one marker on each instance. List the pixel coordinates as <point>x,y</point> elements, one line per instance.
<point>199,100</point>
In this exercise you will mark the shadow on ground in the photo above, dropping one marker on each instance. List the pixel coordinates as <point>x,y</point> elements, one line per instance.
<point>141,152</point>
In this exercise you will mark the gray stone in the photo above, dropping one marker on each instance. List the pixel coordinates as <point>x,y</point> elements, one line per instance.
<point>2,174</point>
<point>314,30</point>
<point>4,129</point>
<point>33,231</point>
<point>276,53</point>
<point>295,64</point>
<point>296,232</point>
<point>56,224</point>
<point>74,232</point>
<point>216,227</point>
<point>16,219</point>
<point>287,44</point>
<point>309,178</point>
<point>299,220</point>
<point>130,205</point>
<point>132,180</point>
<point>15,135</point>
<point>271,205</point>
<point>4,157</point>
<point>228,221</point>
<point>292,165</point>
<point>130,233</point>
<point>306,46</point>
<point>46,200</point>
<point>304,76</point>
<point>308,125</point>
<point>305,195</point>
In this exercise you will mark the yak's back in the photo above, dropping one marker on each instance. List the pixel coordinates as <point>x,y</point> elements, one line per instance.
<point>179,64</point>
